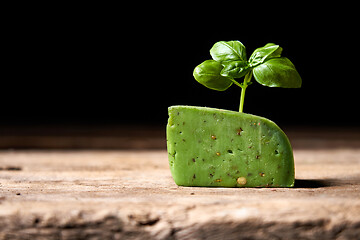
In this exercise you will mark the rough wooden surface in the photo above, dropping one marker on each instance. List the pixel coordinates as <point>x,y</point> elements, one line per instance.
<point>131,195</point>
<point>149,137</point>
<point>83,137</point>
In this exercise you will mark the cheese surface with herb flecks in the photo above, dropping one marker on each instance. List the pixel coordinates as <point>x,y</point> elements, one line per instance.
<point>220,148</point>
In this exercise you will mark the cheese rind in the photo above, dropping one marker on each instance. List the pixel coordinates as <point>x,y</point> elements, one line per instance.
<point>219,148</point>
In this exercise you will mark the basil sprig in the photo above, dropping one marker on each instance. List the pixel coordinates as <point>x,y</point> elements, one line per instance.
<point>230,62</point>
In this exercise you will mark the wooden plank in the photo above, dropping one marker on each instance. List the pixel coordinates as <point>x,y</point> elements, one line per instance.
<point>130,195</point>
<point>83,137</point>
<point>149,137</point>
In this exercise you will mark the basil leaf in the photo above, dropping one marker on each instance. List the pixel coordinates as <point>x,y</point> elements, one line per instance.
<point>228,51</point>
<point>208,74</point>
<point>277,72</point>
<point>235,69</point>
<point>262,54</point>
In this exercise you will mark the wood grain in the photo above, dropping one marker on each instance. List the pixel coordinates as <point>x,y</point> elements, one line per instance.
<point>129,194</point>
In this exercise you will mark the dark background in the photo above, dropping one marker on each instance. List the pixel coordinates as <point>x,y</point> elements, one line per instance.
<point>125,65</point>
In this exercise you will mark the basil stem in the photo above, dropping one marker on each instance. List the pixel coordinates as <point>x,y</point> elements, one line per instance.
<point>243,86</point>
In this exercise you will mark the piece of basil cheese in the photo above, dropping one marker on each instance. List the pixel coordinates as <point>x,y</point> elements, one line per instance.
<point>219,148</point>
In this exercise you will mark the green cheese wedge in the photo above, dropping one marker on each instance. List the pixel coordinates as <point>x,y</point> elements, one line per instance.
<point>210,147</point>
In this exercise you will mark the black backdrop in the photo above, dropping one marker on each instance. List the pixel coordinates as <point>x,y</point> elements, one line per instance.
<point>122,67</point>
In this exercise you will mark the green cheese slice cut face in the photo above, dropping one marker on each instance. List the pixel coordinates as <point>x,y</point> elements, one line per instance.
<point>210,147</point>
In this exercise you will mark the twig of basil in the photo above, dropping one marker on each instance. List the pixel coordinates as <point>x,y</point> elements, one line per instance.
<point>230,62</point>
